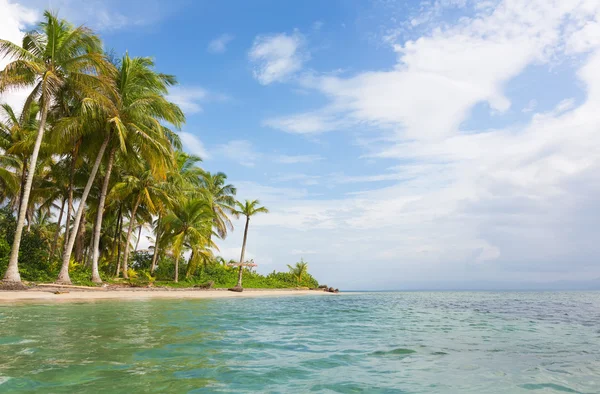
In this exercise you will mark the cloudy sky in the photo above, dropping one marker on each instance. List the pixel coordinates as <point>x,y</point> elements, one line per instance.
<point>398,144</point>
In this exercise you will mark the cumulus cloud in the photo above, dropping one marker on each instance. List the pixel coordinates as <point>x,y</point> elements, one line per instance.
<point>511,203</point>
<point>193,145</point>
<point>239,151</point>
<point>277,57</point>
<point>191,98</point>
<point>219,44</point>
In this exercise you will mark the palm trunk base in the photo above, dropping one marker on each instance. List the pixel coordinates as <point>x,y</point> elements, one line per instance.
<point>64,278</point>
<point>8,284</point>
<point>12,275</point>
<point>96,279</point>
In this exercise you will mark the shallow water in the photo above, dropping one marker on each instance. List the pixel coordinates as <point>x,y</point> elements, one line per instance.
<point>418,342</point>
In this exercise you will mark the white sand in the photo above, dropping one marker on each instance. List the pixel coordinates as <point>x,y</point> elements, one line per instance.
<point>142,294</point>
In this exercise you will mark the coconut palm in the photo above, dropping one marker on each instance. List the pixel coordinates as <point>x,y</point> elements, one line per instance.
<point>221,198</point>
<point>189,223</point>
<point>183,180</point>
<point>53,55</point>
<point>135,125</point>
<point>17,137</point>
<point>141,186</point>
<point>299,270</point>
<point>248,208</point>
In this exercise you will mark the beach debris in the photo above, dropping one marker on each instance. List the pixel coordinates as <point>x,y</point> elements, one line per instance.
<point>61,292</point>
<point>237,289</point>
<point>8,285</point>
<point>208,285</point>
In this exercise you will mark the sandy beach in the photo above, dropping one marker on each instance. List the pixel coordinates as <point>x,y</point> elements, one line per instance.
<point>48,294</point>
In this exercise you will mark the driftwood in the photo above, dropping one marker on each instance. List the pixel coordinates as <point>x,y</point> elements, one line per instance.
<point>236,289</point>
<point>208,285</point>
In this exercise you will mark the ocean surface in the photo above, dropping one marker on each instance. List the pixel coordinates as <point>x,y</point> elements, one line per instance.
<point>414,342</point>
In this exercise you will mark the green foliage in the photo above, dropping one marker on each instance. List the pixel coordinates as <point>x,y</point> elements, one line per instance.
<point>33,254</point>
<point>225,277</point>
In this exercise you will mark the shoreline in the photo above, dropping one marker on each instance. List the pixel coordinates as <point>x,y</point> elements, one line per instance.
<point>49,294</point>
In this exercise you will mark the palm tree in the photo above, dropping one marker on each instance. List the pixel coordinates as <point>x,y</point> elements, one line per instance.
<point>183,180</point>
<point>221,198</point>
<point>248,208</point>
<point>53,55</point>
<point>140,187</point>
<point>189,223</point>
<point>17,137</point>
<point>299,270</point>
<point>135,126</point>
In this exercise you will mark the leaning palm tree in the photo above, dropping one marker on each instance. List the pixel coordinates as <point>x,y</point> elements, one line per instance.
<point>299,270</point>
<point>17,137</point>
<point>54,54</point>
<point>135,125</point>
<point>248,208</point>
<point>189,223</point>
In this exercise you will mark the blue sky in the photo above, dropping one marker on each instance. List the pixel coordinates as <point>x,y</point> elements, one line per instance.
<point>397,143</point>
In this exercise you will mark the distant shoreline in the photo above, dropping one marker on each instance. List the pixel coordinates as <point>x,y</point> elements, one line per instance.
<point>49,294</point>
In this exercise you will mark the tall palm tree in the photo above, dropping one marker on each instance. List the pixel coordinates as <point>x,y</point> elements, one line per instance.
<point>299,270</point>
<point>139,187</point>
<point>54,54</point>
<point>189,223</point>
<point>248,208</point>
<point>221,198</point>
<point>183,180</point>
<point>135,125</point>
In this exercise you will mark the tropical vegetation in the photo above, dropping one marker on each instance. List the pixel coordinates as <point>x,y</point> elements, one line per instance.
<point>92,162</point>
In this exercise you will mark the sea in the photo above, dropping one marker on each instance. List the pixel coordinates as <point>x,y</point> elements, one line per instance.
<point>380,342</point>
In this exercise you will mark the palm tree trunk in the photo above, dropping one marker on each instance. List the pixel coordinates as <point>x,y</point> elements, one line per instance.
<point>57,232</point>
<point>137,242</point>
<point>98,226</point>
<point>63,276</point>
<point>129,231</point>
<point>70,199</point>
<point>239,282</point>
<point>12,271</point>
<point>155,255</point>
<point>117,238</point>
<point>188,270</point>
<point>177,268</point>
<point>79,237</point>
<point>22,186</point>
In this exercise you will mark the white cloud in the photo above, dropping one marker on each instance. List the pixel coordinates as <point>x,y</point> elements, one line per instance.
<point>306,123</point>
<point>295,159</point>
<point>15,20</point>
<point>513,204</point>
<point>531,105</point>
<point>219,44</point>
<point>190,98</point>
<point>304,179</point>
<point>106,15</point>
<point>277,57</point>
<point>240,151</point>
<point>450,70</point>
<point>193,145</point>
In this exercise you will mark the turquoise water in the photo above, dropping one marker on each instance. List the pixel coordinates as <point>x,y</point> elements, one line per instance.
<point>443,342</point>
